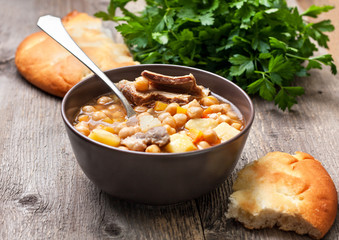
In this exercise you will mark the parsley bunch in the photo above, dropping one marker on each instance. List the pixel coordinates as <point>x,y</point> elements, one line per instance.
<point>261,45</point>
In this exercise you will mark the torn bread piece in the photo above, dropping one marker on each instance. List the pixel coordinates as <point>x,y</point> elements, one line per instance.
<point>292,192</point>
<point>48,66</point>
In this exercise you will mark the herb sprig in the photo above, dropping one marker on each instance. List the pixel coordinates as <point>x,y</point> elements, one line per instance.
<point>261,45</point>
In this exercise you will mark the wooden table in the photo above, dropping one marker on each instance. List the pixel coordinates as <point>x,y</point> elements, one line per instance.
<point>45,195</point>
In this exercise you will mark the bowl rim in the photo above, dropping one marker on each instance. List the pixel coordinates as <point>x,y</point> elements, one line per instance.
<point>198,151</point>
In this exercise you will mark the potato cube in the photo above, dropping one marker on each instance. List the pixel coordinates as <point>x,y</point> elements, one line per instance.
<point>201,124</point>
<point>147,122</point>
<point>180,143</point>
<point>226,131</point>
<point>105,137</point>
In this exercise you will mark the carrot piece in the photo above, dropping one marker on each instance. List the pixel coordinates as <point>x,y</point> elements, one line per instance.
<point>206,112</point>
<point>160,106</point>
<point>181,110</point>
<point>109,129</point>
<point>214,99</point>
<point>196,135</point>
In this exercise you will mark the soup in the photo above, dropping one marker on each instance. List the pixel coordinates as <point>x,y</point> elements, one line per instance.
<point>173,115</point>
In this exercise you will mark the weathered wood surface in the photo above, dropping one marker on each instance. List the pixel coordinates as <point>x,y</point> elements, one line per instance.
<point>45,195</point>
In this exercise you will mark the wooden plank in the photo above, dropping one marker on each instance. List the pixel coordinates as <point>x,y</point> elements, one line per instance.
<point>312,126</point>
<point>43,192</point>
<point>45,195</point>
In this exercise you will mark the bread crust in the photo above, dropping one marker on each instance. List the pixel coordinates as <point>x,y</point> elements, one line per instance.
<point>292,186</point>
<point>47,65</point>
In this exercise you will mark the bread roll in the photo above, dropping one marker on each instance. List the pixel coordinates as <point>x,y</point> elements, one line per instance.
<point>293,192</point>
<point>47,65</point>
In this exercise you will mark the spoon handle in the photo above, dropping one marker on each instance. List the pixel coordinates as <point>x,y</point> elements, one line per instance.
<point>55,29</point>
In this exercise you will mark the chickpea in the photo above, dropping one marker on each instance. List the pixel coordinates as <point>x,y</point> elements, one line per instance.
<point>194,103</point>
<point>137,128</point>
<point>224,118</point>
<point>98,115</point>
<point>206,101</point>
<point>210,136</point>
<point>236,125</point>
<point>117,126</point>
<point>139,147</point>
<point>83,128</point>
<point>226,107</point>
<point>169,129</point>
<point>123,147</point>
<point>108,113</point>
<point>194,112</point>
<point>172,108</point>
<point>88,109</point>
<point>118,115</point>
<point>214,116</point>
<point>83,118</point>
<point>141,84</point>
<point>232,115</point>
<point>153,149</point>
<point>203,145</point>
<point>216,108</point>
<point>114,107</point>
<point>163,115</point>
<point>210,100</point>
<point>99,107</point>
<point>180,119</point>
<point>104,100</point>
<point>140,109</point>
<point>126,132</point>
<point>170,121</point>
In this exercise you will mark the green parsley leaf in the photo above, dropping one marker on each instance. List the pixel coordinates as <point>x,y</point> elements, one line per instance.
<point>314,11</point>
<point>161,38</point>
<point>261,45</point>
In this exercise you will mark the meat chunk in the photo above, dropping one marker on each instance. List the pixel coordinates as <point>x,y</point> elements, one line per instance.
<point>180,84</point>
<point>158,136</point>
<point>182,89</point>
<point>136,142</point>
<point>143,98</point>
<point>140,140</point>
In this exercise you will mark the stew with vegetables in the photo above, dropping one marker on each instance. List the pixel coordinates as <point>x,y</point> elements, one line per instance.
<point>174,115</point>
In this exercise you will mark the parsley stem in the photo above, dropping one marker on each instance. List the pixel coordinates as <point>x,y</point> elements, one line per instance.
<point>147,50</point>
<point>166,3</point>
<point>295,56</point>
<point>132,16</point>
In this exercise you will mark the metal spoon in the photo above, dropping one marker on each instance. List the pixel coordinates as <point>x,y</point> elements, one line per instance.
<point>54,28</point>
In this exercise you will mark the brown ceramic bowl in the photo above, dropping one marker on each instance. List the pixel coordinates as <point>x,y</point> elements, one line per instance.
<point>150,178</point>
